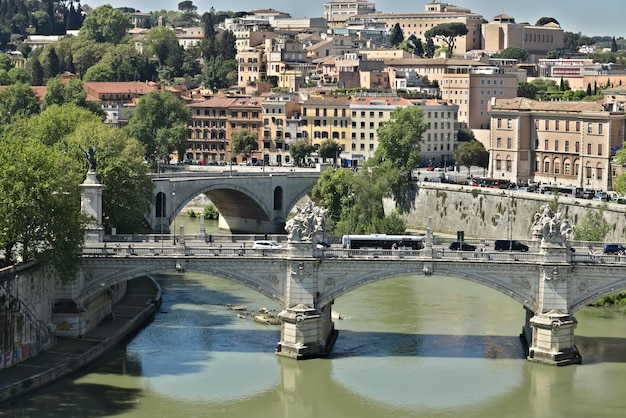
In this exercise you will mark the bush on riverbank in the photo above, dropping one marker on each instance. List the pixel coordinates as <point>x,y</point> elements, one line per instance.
<point>618,298</point>
<point>210,212</point>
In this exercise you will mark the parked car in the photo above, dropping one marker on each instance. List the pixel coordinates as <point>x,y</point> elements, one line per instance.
<point>601,196</point>
<point>266,245</point>
<point>614,249</point>
<point>588,193</point>
<point>456,246</point>
<point>509,245</point>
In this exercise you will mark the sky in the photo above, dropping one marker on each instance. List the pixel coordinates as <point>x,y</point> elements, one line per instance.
<point>591,18</point>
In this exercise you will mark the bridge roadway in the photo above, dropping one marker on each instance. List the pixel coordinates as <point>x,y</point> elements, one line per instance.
<point>550,283</point>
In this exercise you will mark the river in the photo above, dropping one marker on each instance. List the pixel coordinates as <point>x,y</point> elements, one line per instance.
<point>408,347</point>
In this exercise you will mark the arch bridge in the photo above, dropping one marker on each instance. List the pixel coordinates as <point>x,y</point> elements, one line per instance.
<point>256,202</point>
<point>551,283</point>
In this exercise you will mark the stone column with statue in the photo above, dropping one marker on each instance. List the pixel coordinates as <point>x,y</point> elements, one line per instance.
<point>91,199</point>
<point>307,329</point>
<point>549,332</point>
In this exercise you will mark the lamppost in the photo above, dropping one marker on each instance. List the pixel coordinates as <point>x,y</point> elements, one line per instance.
<point>162,214</point>
<point>174,212</point>
<point>350,197</point>
<point>510,225</point>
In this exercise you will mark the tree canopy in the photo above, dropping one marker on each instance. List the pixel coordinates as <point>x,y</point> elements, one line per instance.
<point>106,24</point>
<point>397,36</point>
<point>300,150</point>
<point>159,122</point>
<point>518,54</point>
<point>471,153</point>
<point>244,142</point>
<point>448,32</point>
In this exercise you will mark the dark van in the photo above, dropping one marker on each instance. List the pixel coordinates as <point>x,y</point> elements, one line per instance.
<point>508,245</point>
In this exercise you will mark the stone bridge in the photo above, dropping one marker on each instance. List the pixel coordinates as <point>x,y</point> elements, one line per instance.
<point>248,202</point>
<point>551,284</point>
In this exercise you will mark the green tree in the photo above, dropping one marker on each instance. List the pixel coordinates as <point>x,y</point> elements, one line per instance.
<point>219,73</point>
<point>448,32</point>
<point>300,150</point>
<point>545,20</point>
<point>40,215</point>
<point>106,24</point>
<point>244,142</point>
<point>159,122</point>
<point>515,53</point>
<point>160,42</point>
<point>592,226</point>
<point>614,47</point>
<point>397,36</point>
<point>429,52</point>
<point>17,101</point>
<point>398,151</point>
<point>470,153</point>
<point>465,134</point>
<point>50,63</point>
<point>100,72</point>
<point>329,148</point>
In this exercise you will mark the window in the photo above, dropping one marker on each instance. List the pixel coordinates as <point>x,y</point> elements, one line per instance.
<point>556,144</point>
<point>546,125</point>
<point>567,168</point>
<point>577,147</point>
<point>567,126</point>
<point>590,128</point>
<point>577,126</point>
<point>557,167</point>
<point>589,149</point>
<point>545,144</point>
<point>498,164</point>
<point>546,166</point>
<point>509,165</point>
<point>600,129</point>
<point>556,125</point>
<point>509,142</point>
<point>566,146</point>
<point>600,148</point>
<point>599,173</point>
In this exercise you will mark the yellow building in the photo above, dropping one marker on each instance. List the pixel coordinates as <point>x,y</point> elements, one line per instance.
<point>325,117</point>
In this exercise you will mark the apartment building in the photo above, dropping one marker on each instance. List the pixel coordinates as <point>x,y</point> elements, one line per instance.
<point>367,113</point>
<point>287,61</point>
<point>251,66</point>
<point>440,138</point>
<point>117,98</point>
<point>564,143</point>
<point>281,127</point>
<point>471,89</point>
<point>325,117</point>
<point>208,131</point>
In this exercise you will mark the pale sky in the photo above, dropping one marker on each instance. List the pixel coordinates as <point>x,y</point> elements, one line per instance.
<point>591,18</point>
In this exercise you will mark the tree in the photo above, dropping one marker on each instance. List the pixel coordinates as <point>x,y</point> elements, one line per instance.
<point>448,32</point>
<point>398,151</point>
<point>614,47</point>
<point>592,226</point>
<point>244,142</point>
<point>50,63</point>
<point>465,134</point>
<point>471,153</point>
<point>17,101</point>
<point>106,24</point>
<point>219,73</point>
<point>100,72</point>
<point>329,148</point>
<point>40,215</point>
<point>300,150</point>
<point>159,122</point>
<point>430,48</point>
<point>515,53</point>
<point>397,36</point>
<point>545,20</point>
<point>187,6</point>
<point>160,42</point>
<point>333,192</point>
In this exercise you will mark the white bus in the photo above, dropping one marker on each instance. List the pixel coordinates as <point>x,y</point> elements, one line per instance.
<point>382,241</point>
<point>571,191</point>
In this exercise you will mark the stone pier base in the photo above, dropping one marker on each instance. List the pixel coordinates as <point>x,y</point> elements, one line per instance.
<point>306,332</point>
<point>553,339</point>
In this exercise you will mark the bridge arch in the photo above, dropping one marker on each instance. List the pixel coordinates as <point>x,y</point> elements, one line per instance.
<point>603,290</point>
<point>521,293</point>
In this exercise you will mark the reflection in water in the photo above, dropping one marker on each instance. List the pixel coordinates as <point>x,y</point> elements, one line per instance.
<point>408,347</point>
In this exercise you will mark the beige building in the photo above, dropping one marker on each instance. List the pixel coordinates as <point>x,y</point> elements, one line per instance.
<point>367,113</point>
<point>502,32</point>
<point>440,138</point>
<point>436,13</point>
<point>563,143</point>
<point>471,89</point>
<point>251,66</point>
<point>337,12</point>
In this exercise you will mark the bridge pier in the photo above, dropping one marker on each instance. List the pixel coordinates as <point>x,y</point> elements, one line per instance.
<point>307,329</point>
<point>306,332</point>
<point>551,329</point>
